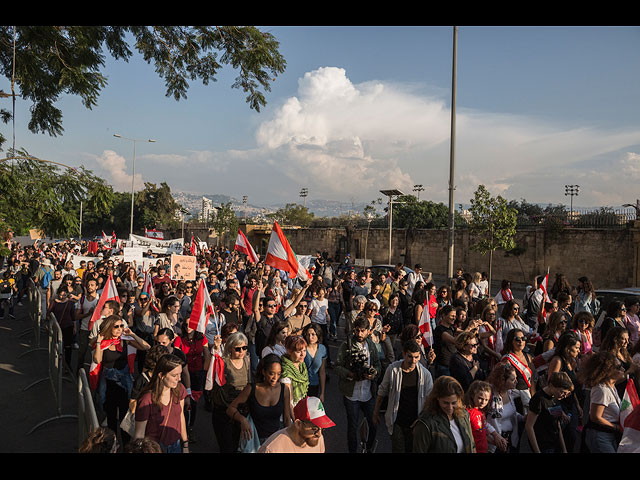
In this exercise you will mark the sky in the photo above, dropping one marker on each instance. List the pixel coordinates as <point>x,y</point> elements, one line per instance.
<point>362,109</point>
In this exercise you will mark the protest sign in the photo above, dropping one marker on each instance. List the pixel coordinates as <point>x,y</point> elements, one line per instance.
<point>183,267</point>
<point>133,254</point>
<point>164,247</point>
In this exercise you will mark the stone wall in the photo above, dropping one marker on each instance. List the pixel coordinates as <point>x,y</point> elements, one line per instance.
<point>607,256</point>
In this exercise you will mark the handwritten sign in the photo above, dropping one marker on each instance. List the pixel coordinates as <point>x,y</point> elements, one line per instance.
<point>183,267</point>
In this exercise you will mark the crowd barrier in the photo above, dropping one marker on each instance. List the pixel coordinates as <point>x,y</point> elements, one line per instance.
<point>87,418</point>
<point>56,371</point>
<point>35,315</point>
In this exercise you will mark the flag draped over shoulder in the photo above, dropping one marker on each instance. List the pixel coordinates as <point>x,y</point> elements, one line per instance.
<point>109,292</point>
<point>243,246</point>
<point>281,256</point>
<point>94,370</point>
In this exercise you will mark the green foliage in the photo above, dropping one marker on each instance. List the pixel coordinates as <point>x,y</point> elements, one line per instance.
<point>492,221</point>
<point>414,213</point>
<point>225,220</point>
<point>155,206</point>
<point>292,214</point>
<point>39,194</point>
<point>55,60</point>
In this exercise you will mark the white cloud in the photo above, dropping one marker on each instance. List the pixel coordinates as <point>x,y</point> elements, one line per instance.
<point>344,140</point>
<point>116,168</point>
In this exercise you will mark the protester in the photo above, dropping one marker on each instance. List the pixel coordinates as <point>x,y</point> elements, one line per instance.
<point>443,426</point>
<point>358,368</point>
<point>160,409</point>
<point>464,365</point>
<point>476,401</point>
<point>502,412</point>
<point>514,353</point>
<point>315,360</point>
<point>267,401</point>
<point>294,368</point>
<point>406,384</point>
<point>100,440</point>
<point>304,435</point>
<point>545,418</point>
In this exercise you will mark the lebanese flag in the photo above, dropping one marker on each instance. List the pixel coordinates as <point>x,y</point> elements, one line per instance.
<point>630,442</point>
<point>545,298</point>
<point>94,370</point>
<point>149,290</point>
<point>425,325</point>
<point>243,246</point>
<point>113,238</point>
<point>193,247</point>
<point>630,401</point>
<point>281,256</point>
<point>105,239</point>
<point>202,308</point>
<point>109,292</point>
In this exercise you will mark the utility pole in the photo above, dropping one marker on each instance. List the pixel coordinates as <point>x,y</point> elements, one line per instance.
<point>418,188</point>
<point>571,190</point>
<point>303,193</point>
<point>452,158</point>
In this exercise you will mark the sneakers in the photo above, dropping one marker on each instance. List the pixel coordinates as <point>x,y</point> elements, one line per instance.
<point>11,315</point>
<point>20,304</point>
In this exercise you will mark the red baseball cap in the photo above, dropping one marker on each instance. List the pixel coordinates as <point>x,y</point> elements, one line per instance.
<point>311,409</point>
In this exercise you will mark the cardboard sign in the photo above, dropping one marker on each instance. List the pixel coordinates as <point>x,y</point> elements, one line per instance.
<point>133,254</point>
<point>183,267</point>
<point>165,247</point>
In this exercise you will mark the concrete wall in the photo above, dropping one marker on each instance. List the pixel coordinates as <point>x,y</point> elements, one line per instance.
<point>607,256</point>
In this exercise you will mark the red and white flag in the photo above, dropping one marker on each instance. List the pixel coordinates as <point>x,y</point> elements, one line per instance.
<point>425,325</point>
<point>113,238</point>
<point>281,256</point>
<point>630,401</point>
<point>545,298</point>
<point>202,309</point>
<point>153,234</point>
<point>105,239</point>
<point>148,288</point>
<point>243,246</point>
<point>630,442</point>
<point>109,292</point>
<point>193,248</point>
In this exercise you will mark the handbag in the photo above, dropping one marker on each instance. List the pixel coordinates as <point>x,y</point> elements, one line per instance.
<point>253,444</point>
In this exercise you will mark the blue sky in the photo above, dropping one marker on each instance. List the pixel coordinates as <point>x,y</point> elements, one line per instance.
<point>360,109</point>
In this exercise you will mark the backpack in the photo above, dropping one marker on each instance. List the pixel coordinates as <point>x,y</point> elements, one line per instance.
<point>46,278</point>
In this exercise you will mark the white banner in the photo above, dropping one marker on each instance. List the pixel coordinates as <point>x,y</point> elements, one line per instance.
<point>165,247</point>
<point>76,259</point>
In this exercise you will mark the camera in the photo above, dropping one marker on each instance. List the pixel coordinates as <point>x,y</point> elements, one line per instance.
<point>358,362</point>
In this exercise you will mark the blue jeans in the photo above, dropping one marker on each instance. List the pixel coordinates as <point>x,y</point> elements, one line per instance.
<point>334,314</point>
<point>353,410</point>
<point>175,447</point>
<point>601,442</point>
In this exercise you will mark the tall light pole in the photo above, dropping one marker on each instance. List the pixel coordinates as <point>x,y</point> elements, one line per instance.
<point>452,157</point>
<point>418,188</point>
<point>571,190</point>
<point>244,202</point>
<point>133,174</point>
<point>391,194</point>
<point>303,193</point>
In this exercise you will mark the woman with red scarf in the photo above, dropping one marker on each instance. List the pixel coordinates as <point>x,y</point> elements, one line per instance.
<point>195,347</point>
<point>504,295</point>
<point>111,368</point>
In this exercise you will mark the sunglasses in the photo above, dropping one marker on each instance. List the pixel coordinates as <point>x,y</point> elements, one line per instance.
<point>241,349</point>
<point>120,325</point>
<point>271,305</point>
<point>519,339</point>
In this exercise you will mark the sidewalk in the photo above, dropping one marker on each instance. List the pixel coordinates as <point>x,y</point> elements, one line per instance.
<point>26,401</point>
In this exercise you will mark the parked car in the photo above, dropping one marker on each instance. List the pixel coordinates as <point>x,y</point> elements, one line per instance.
<point>606,296</point>
<point>378,269</point>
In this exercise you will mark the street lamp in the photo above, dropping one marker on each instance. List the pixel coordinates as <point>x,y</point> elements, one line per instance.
<point>244,202</point>
<point>133,174</point>
<point>571,190</point>
<point>391,194</point>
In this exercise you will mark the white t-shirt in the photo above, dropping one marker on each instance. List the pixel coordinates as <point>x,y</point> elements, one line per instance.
<point>606,395</point>
<point>319,310</point>
<point>84,305</point>
<point>456,435</point>
<point>483,285</point>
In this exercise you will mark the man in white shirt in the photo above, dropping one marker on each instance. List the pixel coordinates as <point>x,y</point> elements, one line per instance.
<point>84,310</point>
<point>414,277</point>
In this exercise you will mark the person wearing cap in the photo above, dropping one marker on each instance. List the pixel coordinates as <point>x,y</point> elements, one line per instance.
<point>304,435</point>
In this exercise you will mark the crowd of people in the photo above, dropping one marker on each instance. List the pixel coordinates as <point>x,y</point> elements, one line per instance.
<point>544,373</point>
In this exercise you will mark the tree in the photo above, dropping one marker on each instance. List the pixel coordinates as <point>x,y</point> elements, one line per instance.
<point>39,194</point>
<point>292,214</point>
<point>155,206</point>
<point>225,221</point>
<point>50,61</point>
<point>493,223</point>
<point>414,213</point>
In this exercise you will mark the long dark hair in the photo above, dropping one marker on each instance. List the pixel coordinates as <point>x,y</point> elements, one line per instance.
<point>269,359</point>
<point>164,365</point>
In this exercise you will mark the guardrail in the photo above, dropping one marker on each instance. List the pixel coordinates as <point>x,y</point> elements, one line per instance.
<point>87,418</point>
<point>35,316</point>
<point>56,371</point>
